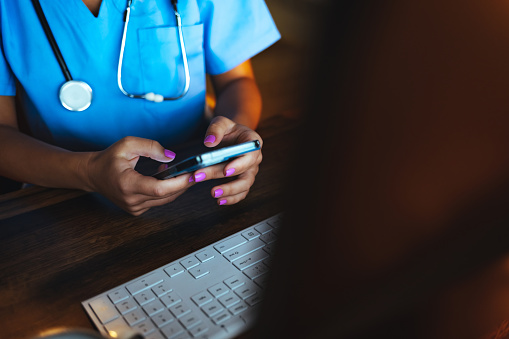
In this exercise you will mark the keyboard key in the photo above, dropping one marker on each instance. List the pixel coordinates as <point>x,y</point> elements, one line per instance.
<point>145,297</point>
<point>155,335</point>
<point>246,291</point>
<point>221,317</point>
<point>206,255</point>
<point>179,310</point>
<point>212,308</point>
<point>202,298</point>
<point>250,259</point>
<point>238,308</point>
<point>172,330</point>
<point>134,317</point>
<point>229,299</point>
<point>145,327</point>
<point>218,290</point>
<point>230,244</point>
<point>255,299</point>
<point>190,320</point>
<point>233,325</point>
<point>198,330</point>
<point>199,271</point>
<point>255,271</point>
<point>189,262</point>
<point>269,237</point>
<point>118,295</point>
<point>162,288</point>
<point>126,306</point>
<point>263,228</point>
<point>233,282</point>
<point>144,283</point>
<point>262,280</point>
<point>116,327</point>
<point>269,249</point>
<point>250,235</point>
<point>174,270</point>
<point>162,318</point>
<point>275,221</point>
<point>153,307</point>
<point>170,299</point>
<point>103,309</point>
<point>244,249</point>
<point>249,316</point>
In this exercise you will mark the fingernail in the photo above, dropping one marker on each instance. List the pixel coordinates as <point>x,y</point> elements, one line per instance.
<point>230,172</point>
<point>191,179</point>
<point>210,138</point>
<point>222,202</point>
<point>169,154</point>
<point>199,177</point>
<point>217,193</point>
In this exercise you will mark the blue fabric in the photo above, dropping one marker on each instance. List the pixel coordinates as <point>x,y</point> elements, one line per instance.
<point>219,35</point>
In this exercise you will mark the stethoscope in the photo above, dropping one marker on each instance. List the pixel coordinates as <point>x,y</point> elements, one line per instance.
<point>76,95</point>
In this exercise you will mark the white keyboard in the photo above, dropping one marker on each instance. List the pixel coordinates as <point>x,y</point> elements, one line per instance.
<point>211,293</point>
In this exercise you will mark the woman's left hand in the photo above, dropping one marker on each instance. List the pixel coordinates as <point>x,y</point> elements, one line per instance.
<point>225,131</point>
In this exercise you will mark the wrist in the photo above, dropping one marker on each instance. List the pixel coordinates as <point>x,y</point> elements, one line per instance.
<point>84,171</point>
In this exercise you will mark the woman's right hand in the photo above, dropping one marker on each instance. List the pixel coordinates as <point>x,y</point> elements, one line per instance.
<point>111,173</point>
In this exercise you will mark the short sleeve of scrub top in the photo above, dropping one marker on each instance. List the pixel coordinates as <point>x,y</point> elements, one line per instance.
<point>234,31</point>
<point>7,82</point>
<point>218,35</point>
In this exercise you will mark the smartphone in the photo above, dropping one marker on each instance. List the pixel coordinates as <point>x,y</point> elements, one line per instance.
<point>207,159</point>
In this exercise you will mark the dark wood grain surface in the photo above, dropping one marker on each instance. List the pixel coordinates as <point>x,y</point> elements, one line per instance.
<point>60,247</point>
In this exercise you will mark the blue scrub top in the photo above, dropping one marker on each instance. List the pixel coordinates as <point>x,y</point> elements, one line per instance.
<point>218,34</point>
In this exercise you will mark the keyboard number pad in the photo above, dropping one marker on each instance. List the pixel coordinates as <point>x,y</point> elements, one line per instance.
<point>232,297</point>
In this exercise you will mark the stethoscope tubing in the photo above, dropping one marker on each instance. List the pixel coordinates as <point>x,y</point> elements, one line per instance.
<point>153,96</point>
<point>51,40</point>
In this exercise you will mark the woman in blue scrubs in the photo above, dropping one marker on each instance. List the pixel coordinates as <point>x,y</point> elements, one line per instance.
<point>96,149</point>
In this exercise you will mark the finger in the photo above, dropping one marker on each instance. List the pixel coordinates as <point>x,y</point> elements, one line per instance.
<point>236,167</point>
<point>218,128</point>
<point>232,199</point>
<point>138,199</point>
<point>138,212</point>
<point>150,203</point>
<point>208,173</point>
<point>240,185</point>
<point>133,147</point>
<point>243,163</point>
<point>149,186</point>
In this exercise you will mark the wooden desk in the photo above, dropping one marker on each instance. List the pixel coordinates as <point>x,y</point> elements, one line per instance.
<point>60,247</point>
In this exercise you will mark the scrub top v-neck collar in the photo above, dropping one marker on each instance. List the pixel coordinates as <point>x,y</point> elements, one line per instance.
<point>86,14</point>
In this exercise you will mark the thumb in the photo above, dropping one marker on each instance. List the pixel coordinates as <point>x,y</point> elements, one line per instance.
<point>218,128</point>
<point>134,147</point>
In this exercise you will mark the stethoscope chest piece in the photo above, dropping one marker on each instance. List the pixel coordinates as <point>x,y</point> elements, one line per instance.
<point>75,95</point>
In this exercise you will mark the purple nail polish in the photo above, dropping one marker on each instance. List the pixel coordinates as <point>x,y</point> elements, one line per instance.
<point>222,202</point>
<point>210,138</point>
<point>217,193</point>
<point>199,177</point>
<point>230,172</point>
<point>169,154</point>
<point>191,179</point>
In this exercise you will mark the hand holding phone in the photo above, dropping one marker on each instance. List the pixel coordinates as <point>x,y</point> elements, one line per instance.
<point>207,159</point>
